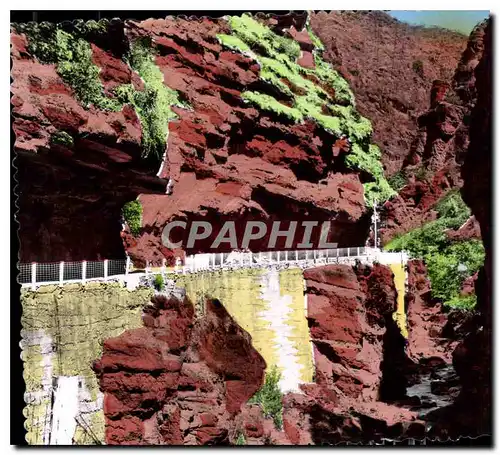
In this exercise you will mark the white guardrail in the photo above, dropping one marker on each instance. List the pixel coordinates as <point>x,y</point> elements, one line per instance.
<point>35,274</point>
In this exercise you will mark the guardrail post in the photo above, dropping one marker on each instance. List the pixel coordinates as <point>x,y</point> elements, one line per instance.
<point>105,269</point>
<point>84,271</point>
<point>296,255</point>
<point>347,251</point>
<point>127,266</point>
<point>278,257</point>
<point>33,275</point>
<point>61,273</point>
<point>358,251</point>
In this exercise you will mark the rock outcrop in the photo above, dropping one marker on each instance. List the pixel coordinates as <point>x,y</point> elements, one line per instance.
<point>226,158</point>
<point>471,413</point>
<point>432,167</point>
<point>391,67</point>
<point>179,379</point>
<point>358,351</point>
<point>70,195</point>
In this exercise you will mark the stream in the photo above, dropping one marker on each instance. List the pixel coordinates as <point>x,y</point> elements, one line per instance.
<point>435,389</point>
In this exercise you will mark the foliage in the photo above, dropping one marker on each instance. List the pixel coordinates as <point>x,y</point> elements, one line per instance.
<point>154,104</point>
<point>233,42</point>
<point>448,263</point>
<point>240,440</point>
<point>397,181</point>
<point>448,269</point>
<point>269,103</point>
<point>422,174</point>
<point>159,283</point>
<point>379,190</point>
<point>91,27</point>
<point>49,43</point>
<point>270,398</point>
<point>462,302</point>
<point>319,94</point>
<point>453,206</point>
<point>62,138</point>
<point>132,214</point>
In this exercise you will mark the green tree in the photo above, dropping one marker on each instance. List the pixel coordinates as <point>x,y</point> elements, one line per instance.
<point>270,398</point>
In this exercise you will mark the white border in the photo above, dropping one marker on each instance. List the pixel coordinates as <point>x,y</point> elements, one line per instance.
<point>261,5</point>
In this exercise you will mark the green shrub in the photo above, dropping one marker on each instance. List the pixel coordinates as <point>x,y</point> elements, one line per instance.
<point>159,283</point>
<point>270,398</point>
<point>453,206</point>
<point>269,103</point>
<point>397,181</point>
<point>62,138</point>
<point>423,174</point>
<point>319,94</point>
<point>73,57</point>
<point>448,263</point>
<point>462,302</point>
<point>233,42</point>
<point>154,104</point>
<point>240,440</point>
<point>370,162</point>
<point>132,214</point>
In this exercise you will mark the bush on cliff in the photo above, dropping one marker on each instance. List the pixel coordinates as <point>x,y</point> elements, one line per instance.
<point>62,138</point>
<point>132,214</point>
<point>270,398</point>
<point>159,283</point>
<point>453,206</point>
<point>448,263</point>
<point>397,181</point>
<point>240,440</point>
<point>320,94</point>
<point>72,54</point>
<point>153,104</point>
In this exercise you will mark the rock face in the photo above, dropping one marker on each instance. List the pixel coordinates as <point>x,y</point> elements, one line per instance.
<point>391,67</point>
<point>419,115</point>
<point>70,196</point>
<point>426,319</point>
<point>471,413</point>
<point>225,158</point>
<point>230,161</point>
<point>432,167</point>
<point>350,316</point>
<point>179,380</point>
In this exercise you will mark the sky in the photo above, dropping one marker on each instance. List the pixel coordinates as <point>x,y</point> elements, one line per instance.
<point>461,21</point>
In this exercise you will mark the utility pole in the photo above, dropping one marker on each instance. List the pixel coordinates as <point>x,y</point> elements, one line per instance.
<point>375,220</point>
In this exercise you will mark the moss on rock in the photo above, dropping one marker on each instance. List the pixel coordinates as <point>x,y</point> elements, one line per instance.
<point>153,104</point>
<point>318,94</point>
<point>72,54</point>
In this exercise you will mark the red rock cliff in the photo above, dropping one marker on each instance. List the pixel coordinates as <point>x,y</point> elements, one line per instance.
<point>178,380</point>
